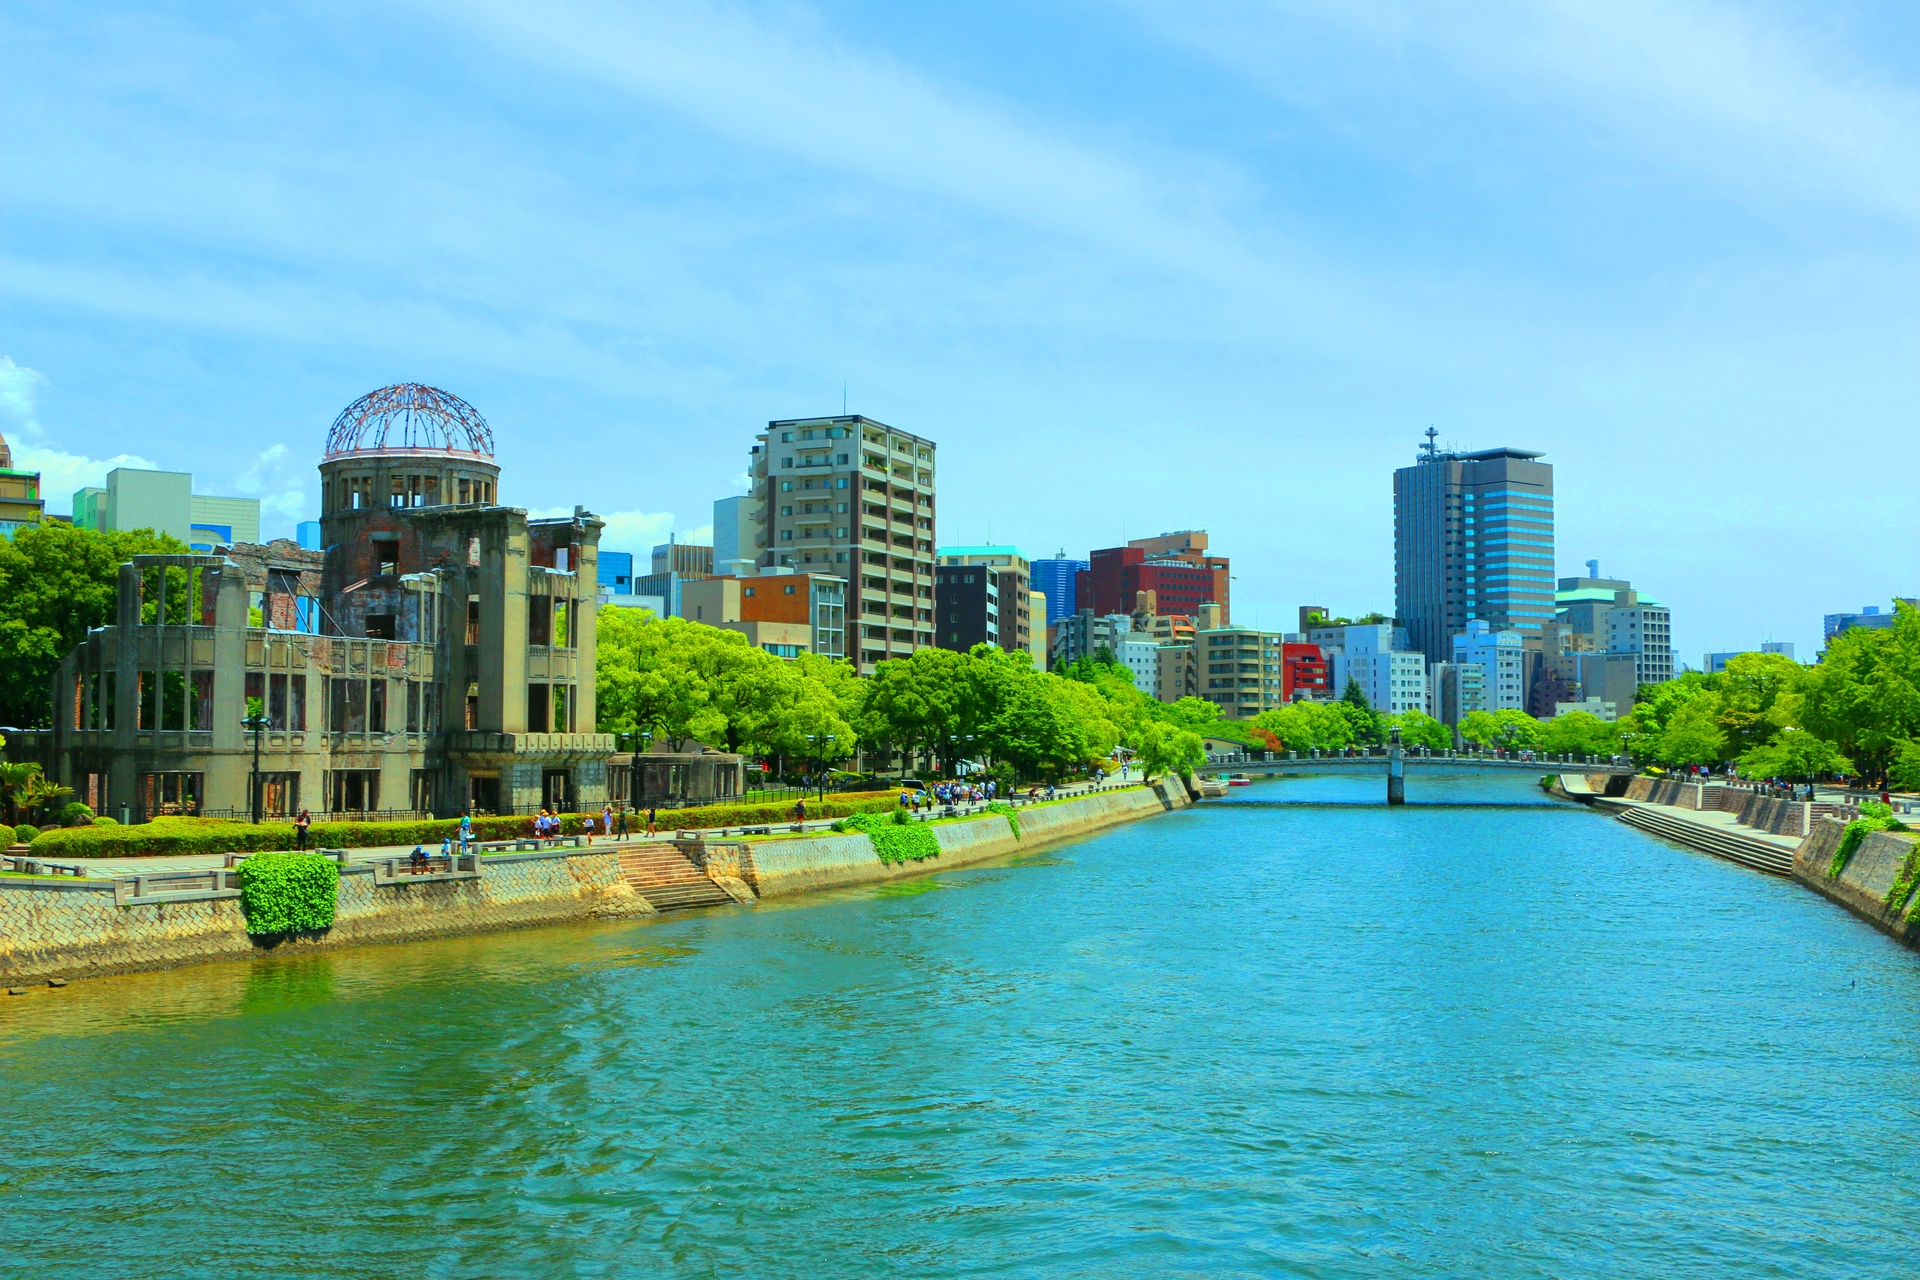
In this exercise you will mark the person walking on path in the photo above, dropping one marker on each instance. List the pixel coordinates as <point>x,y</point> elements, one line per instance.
<point>606,820</point>
<point>466,832</point>
<point>586,825</point>
<point>800,810</point>
<point>300,826</point>
<point>652,818</point>
<point>623,827</point>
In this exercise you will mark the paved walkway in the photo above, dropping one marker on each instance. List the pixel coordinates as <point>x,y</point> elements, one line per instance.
<point>1711,818</point>
<point>108,868</point>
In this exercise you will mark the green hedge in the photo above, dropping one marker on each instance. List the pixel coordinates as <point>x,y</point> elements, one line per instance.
<point>26,832</point>
<point>895,839</point>
<point>6,835</point>
<point>288,892</point>
<point>216,835</point>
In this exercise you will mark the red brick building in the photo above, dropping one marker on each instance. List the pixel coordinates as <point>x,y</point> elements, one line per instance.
<point>1304,672</point>
<point>1175,567</point>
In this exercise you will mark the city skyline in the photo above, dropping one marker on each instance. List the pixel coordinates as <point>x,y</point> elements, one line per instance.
<point>642,231</point>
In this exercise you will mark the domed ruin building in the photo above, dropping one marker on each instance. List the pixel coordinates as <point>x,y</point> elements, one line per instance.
<point>436,655</point>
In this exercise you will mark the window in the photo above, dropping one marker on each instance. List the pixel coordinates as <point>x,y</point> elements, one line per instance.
<point>747,591</point>
<point>786,486</point>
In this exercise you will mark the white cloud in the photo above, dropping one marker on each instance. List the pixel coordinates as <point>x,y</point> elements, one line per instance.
<point>60,472</point>
<point>281,487</point>
<point>1713,88</point>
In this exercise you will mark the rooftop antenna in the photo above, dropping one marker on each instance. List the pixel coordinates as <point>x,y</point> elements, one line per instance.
<point>1431,451</point>
<point>843,399</point>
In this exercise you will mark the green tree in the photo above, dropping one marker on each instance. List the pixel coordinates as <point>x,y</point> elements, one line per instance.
<point>648,678</point>
<point>1693,735</point>
<point>1795,755</point>
<point>56,582</point>
<point>1502,728</point>
<point>1418,729</point>
<point>1308,726</point>
<point>1864,696</point>
<point>1579,733</point>
<point>1165,748</point>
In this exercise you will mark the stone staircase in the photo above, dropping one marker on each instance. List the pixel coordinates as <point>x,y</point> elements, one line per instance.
<point>1760,855</point>
<point>668,879</point>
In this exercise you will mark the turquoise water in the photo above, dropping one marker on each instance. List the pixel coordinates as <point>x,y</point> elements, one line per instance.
<point>1255,1039</point>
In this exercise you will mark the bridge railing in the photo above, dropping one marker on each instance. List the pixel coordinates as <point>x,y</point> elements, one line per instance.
<point>1496,755</point>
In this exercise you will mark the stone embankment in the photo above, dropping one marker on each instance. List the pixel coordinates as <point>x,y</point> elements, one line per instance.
<point>1791,838</point>
<point>68,927</point>
<point>1867,883</point>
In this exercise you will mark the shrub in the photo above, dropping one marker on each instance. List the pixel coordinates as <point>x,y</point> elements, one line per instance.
<point>896,839</point>
<point>288,892</point>
<point>75,815</point>
<point>25,832</point>
<point>104,838</point>
<point>99,820</point>
<point>6,836</point>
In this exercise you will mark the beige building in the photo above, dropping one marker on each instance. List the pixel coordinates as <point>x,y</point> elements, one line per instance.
<point>854,498</point>
<point>1037,629</point>
<point>1238,668</point>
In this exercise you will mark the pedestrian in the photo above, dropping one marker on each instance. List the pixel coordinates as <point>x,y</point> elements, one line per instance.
<point>622,837</point>
<point>586,825</point>
<point>606,820</point>
<point>800,810</point>
<point>652,815</point>
<point>300,825</point>
<point>466,831</point>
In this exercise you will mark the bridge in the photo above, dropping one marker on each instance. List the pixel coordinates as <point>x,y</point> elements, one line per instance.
<point>1392,760</point>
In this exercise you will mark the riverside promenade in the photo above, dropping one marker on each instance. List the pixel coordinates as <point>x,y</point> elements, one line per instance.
<point>166,864</point>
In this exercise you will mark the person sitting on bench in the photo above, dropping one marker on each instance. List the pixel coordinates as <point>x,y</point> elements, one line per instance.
<point>417,860</point>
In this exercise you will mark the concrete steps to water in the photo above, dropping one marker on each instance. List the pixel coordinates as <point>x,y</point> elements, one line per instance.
<point>668,879</point>
<point>1748,851</point>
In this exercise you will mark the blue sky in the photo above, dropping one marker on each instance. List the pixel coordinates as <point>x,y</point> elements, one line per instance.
<point>1137,266</point>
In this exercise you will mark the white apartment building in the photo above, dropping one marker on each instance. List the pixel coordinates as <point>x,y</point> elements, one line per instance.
<point>1139,653</point>
<point>1502,656</point>
<point>1645,631</point>
<point>1376,656</point>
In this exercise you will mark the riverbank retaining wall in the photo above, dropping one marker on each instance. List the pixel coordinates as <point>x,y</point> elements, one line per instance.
<point>74,928</point>
<point>1862,885</point>
<point>77,928</point>
<point>1762,813</point>
<point>778,868</point>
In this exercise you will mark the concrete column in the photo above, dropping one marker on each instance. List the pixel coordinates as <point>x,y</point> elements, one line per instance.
<point>1396,771</point>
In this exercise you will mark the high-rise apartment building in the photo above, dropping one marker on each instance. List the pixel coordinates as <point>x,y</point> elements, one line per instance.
<point>1472,539</point>
<point>1013,578</point>
<point>855,498</point>
<point>1055,578</point>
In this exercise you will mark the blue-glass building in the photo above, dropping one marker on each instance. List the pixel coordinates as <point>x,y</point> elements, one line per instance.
<point>1054,579</point>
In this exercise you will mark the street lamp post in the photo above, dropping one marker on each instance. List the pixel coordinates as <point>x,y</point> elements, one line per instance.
<point>259,725</point>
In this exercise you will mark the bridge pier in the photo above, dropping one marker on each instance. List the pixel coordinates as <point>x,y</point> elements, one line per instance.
<point>1396,771</point>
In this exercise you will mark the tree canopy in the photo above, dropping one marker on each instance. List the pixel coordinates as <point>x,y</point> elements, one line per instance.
<point>56,582</point>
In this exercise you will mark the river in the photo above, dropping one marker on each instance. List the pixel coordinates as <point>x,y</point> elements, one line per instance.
<point>1497,1037</point>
